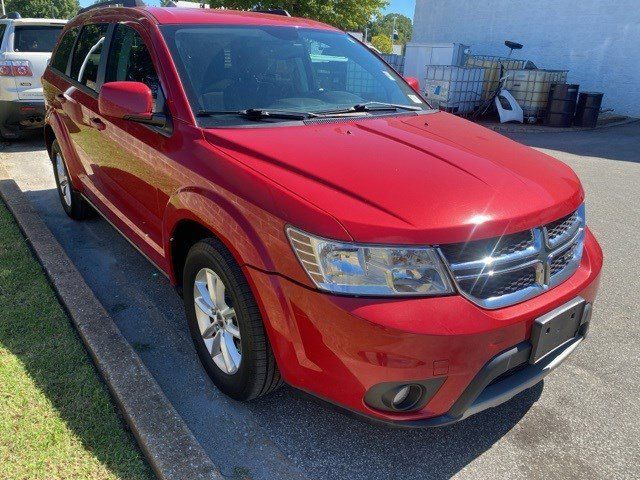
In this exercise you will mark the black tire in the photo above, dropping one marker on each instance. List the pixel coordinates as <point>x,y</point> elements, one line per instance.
<point>78,209</point>
<point>8,134</point>
<point>258,373</point>
<point>5,138</point>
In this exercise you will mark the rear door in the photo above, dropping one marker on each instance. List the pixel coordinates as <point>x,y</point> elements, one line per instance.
<point>79,101</point>
<point>31,46</point>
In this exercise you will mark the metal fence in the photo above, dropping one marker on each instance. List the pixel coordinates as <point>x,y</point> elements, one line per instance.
<point>396,61</point>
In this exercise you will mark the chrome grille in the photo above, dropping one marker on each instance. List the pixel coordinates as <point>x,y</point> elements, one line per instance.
<point>561,261</point>
<point>508,283</point>
<point>508,244</point>
<point>561,227</point>
<point>502,271</point>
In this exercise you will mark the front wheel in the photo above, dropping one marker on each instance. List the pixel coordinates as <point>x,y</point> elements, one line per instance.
<point>72,202</point>
<point>226,325</point>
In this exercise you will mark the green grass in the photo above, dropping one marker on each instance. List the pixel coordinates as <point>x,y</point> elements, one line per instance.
<point>57,420</point>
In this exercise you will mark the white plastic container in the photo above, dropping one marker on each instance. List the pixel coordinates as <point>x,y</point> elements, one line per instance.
<point>493,65</point>
<point>531,88</point>
<point>419,55</point>
<point>454,89</point>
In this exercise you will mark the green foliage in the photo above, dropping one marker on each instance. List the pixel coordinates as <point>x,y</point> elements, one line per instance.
<point>382,43</point>
<point>344,14</point>
<point>43,8</point>
<point>384,26</point>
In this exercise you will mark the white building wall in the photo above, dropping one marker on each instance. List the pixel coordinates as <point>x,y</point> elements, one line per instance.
<point>598,41</point>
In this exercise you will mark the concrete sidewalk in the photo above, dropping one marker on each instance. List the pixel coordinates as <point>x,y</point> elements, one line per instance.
<point>583,423</point>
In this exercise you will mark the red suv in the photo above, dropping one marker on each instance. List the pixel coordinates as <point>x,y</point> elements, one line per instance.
<point>323,224</point>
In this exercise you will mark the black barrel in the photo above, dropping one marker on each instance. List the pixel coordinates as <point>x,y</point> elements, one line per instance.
<point>561,105</point>
<point>588,109</point>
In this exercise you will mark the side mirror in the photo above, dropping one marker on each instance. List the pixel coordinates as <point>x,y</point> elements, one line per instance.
<point>126,100</point>
<point>413,83</point>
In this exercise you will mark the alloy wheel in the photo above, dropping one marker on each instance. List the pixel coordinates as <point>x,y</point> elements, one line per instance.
<point>217,321</point>
<point>63,180</point>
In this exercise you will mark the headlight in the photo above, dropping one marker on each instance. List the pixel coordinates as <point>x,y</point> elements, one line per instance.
<point>353,269</point>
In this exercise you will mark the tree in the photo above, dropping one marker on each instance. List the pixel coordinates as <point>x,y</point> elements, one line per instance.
<point>382,43</point>
<point>43,8</point>
<point>344,14</point>
<point>384,26</point>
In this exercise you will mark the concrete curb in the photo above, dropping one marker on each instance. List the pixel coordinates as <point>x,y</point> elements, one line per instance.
<point>169,446</point>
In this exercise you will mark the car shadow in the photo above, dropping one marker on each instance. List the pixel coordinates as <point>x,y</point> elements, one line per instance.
<point>338,445</point>
<point>318,440</point>
<point>307,425</point>
<point>620,143</point>
<point>32,142</point>
<point>335,444</point>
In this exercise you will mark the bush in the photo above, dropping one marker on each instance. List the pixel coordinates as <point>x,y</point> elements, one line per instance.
<point>382,43</point>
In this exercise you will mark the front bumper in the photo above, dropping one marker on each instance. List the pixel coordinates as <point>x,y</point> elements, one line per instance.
<point>338,348</point>
<point>17,116</point>
<point>488,389</point>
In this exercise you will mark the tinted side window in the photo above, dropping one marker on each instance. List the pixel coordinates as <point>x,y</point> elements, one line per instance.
<point>61,57</point>
<point>130,61</point>
<point>3,27</point>
<point>86,56</point>
<point>35,38</point>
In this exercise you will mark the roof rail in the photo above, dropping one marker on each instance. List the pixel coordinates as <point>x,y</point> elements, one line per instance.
<point>12,16</point>
<point>272,11</point>
<point>113,3</point>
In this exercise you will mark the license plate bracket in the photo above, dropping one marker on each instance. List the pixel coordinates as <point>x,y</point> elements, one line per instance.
<point>555,328</point>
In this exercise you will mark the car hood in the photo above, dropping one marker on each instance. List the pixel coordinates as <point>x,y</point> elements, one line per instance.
<point>414,179</point>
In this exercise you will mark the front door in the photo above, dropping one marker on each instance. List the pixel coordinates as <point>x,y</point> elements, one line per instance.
<point>129,158</point>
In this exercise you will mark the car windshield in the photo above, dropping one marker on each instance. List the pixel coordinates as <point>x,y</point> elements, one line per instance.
<point>36,38</point>
<point>227,69</point>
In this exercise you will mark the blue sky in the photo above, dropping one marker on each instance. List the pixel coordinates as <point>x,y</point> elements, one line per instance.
<point>406,7</point>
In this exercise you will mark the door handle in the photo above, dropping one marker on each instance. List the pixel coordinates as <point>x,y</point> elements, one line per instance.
<point>97,124</point>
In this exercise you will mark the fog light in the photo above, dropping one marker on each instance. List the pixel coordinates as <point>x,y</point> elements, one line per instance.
<point>401,396</point>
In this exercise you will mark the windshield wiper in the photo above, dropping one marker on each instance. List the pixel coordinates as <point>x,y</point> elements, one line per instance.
<point>262,114</point>
<point>371,107</point>
<point>258,114</point>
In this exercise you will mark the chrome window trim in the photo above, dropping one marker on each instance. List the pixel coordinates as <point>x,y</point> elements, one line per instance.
<point>539,255</point>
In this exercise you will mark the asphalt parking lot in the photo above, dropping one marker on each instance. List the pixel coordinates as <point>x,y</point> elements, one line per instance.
<point>581,423</point>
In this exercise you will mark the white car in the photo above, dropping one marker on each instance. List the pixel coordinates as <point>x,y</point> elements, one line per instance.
<point>25,49</point>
